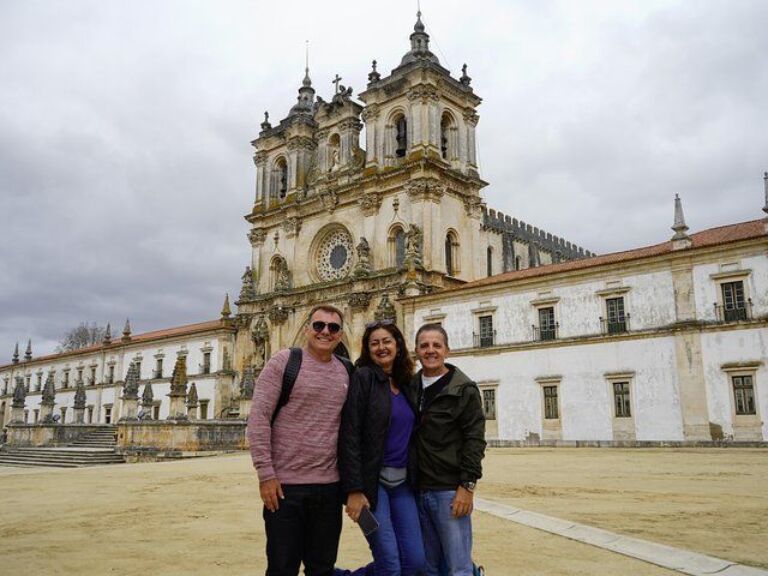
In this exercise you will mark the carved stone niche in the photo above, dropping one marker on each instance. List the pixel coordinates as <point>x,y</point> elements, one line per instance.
<point>278,314</point>
<point>369,203</point>
<point>359,300</point>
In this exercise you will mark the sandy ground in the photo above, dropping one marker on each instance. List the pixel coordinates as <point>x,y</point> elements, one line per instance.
<point>202,516</point>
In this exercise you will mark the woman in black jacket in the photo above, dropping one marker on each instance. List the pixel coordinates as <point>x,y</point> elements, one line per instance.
<point>376,427</point>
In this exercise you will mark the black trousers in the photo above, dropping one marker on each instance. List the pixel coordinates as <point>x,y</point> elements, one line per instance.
<point>305,528</point>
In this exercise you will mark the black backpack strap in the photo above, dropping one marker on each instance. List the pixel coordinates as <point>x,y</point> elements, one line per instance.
<point>347,364</point>
<point>289,379</point>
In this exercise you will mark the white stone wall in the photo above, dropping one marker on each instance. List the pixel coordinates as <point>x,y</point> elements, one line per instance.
<point>104,394</point>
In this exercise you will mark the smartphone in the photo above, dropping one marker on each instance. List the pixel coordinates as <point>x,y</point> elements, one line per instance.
<point>367,521</point>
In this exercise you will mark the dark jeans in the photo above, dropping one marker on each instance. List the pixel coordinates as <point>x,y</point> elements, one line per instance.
<point>305,528</point>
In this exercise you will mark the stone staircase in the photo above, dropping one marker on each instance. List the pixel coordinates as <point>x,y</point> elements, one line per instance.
<point>93,449</point>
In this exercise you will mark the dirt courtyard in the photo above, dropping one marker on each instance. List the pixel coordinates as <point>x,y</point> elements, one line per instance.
<point>203,516</point>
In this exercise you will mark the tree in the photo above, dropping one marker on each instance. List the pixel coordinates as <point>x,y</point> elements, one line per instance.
<point>82,336</point>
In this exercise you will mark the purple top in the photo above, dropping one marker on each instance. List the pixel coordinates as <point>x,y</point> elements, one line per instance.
<point>401,422</point>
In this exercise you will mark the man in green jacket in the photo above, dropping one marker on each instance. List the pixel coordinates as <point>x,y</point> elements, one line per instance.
<point>450,445</point>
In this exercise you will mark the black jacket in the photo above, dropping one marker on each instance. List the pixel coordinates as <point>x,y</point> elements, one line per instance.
<point>450,437</point>
<point>364,429</point>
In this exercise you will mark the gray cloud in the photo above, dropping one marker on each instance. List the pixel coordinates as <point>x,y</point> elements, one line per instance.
<point>125,164</point>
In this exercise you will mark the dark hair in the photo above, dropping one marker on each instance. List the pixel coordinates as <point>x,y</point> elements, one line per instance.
<point>327,308</point>
<point>402,368</point>
<point>434,327</point>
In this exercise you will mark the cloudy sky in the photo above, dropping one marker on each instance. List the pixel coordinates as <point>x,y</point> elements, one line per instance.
<point>125,129</point>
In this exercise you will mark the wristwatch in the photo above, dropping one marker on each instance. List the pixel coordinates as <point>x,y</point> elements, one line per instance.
<point>469,486</point>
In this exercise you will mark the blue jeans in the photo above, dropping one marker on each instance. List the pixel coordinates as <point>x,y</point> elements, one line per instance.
<point>446,538</point>
<point>397,545</point>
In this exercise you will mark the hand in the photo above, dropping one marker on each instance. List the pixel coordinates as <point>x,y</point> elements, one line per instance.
<point>271,493</point>
<point>462,502</point>
<point>356,501</point>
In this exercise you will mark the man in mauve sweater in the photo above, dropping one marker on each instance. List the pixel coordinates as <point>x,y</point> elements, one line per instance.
<point>295,458</point>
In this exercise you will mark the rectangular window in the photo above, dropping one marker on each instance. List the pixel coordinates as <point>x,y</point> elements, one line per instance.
<point>65,381</point>
<point>621,400</point>
<point>159,368</point>
<point>744,395</point>
<point>156,412</point>
<point>39,383</point>
<point>734,305</point>
<point>617,321</point>
<point>79,374</point>
<point>107,414</point>
<point>551,411</point>
<point>90,414</point>
<point>486,331</point>
<point>93,376</point>
<point>27,382</point>
<point>203,409</point>
<point>206,363</point>
<point>547,325</point>
<point>489,403</point>
<point>111,374</point>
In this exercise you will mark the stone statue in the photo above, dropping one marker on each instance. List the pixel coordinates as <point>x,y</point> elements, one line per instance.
<point>414,246</point>
<point>334,160</point>
<point>385,310</point>
<point>363,266</point>
<point>260,337</point>
<point>282,280</point>
<point>248,291</point>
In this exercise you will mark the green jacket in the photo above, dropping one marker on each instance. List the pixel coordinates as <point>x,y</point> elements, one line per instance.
<point>450,436</point>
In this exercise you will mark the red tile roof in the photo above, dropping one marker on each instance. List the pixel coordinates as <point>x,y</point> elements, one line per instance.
<point>703,239</point>
<point>186,330</point>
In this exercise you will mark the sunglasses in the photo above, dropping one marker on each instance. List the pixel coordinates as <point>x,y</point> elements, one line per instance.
<point>379,324</point>
<point>333,327</point>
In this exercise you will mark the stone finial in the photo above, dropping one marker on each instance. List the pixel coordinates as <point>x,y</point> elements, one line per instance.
<point>247,384</point>
<point>266,125</point>
<point>226,311</point>
<point>79,402</point>
<point>147,397</point>
<point>385,310</point>
<point>49,391</point>
<point>192,399</point>
<point>465,80</point>
<point>107,340</point>
<point>127,331</point>
<point>28,352</point>
<point>19,393</point>
<point>15,359</point>
<point>680,239</point>
<point>179,377</point>
<point>765,185</point>
<point>131,386</point>
<point>373,75</point>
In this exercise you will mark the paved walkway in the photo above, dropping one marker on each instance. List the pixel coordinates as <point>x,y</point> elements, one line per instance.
<point>678,559</point>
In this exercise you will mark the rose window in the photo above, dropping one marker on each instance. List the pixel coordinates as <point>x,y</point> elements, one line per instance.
<point>334,256</point>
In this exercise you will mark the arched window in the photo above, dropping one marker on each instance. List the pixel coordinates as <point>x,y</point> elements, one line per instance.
<point>401,136</point>
<point>281,177</point>
<point>451,254</point>
<point>489,260</point>
<point>397,247</point>
<point>445,135</point>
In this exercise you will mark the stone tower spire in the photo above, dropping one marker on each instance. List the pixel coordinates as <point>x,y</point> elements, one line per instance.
<point>680,239</point>
<point>16,354</point>
<point>226,311</point>
<point>127,330</point>
<point>28,352</point>
<point>419,44</point>
<point>306,97</point>
<point>107,335</point>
